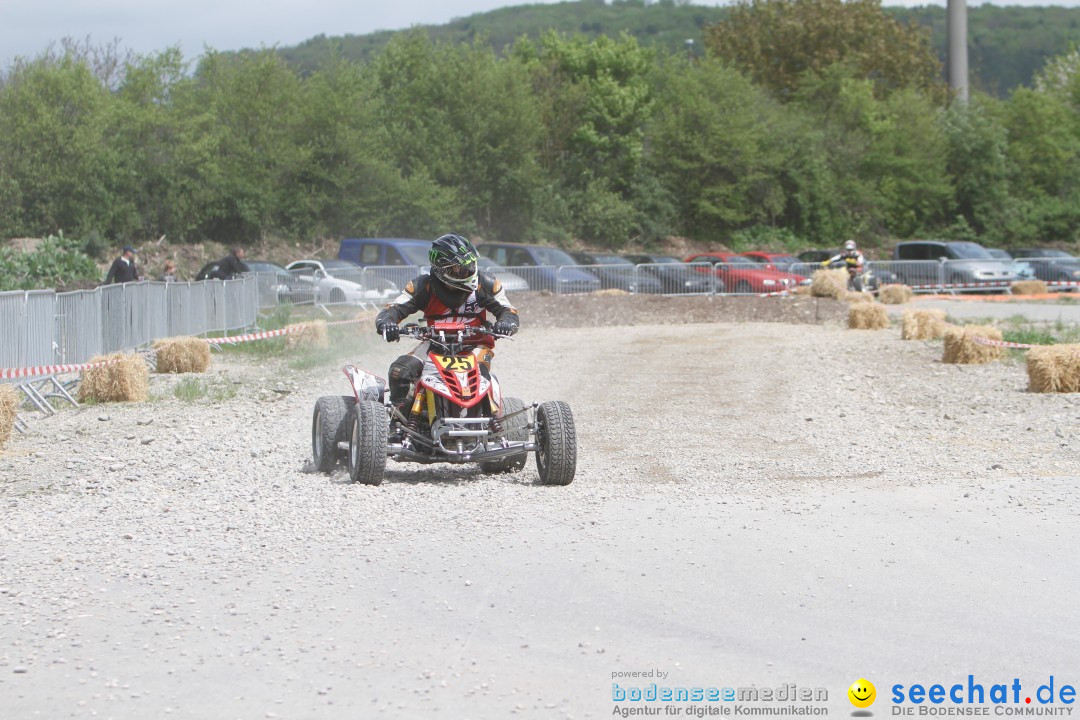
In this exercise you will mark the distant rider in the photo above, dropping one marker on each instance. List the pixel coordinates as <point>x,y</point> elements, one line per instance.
<point>851,257</point>
<point>454,291</point>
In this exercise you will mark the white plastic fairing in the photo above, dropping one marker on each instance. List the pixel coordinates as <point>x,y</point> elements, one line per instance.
<point>365,385</point>
<point>496,391</point>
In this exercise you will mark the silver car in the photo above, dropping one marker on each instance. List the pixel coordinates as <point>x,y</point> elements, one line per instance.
<point>334,282</point>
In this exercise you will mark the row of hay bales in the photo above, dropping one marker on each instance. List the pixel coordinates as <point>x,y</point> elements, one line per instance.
<point>126,377</point>
<point>1050,368</point>
<point>1053,368</point>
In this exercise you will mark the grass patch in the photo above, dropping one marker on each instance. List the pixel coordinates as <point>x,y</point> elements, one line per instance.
<point>194,389</point>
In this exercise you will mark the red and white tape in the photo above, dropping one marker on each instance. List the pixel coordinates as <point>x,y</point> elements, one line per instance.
<point>42,370</point>
<point>979,340</point>
<point>234,339</point>
<point>264,334</point>
<point>947,286</point>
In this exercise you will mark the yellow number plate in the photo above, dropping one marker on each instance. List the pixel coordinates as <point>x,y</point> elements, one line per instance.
<point>458,364</point>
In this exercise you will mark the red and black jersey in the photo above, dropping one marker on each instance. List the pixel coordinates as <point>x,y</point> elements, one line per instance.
<point>438,302</point>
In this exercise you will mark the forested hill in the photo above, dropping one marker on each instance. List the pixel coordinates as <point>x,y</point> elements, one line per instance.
<point>1007,44</point>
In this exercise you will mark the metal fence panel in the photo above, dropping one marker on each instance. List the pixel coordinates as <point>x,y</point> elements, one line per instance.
<point>535,277</point>
<point>136,311</point>
<point>679,278</point>
<point>40,324</point>
<point>78,325</point>
<point>12,328</point>
<point>751,278</point>
<point>239,295</point>
<point>157,310</point>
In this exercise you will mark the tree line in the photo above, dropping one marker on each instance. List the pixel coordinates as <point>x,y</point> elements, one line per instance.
<point>597,139</point>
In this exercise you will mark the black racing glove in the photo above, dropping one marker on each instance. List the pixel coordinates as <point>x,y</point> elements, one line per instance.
<point>389,330</point>
<point>504,328</point>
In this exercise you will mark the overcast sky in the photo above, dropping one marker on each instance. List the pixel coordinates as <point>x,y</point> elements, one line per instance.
<point>28,26</point>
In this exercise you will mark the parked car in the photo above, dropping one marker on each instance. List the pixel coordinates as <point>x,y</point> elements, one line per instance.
<point>964,262</point>
<point>742,275</point>
<point>390,253</point>
<point>543,267</point>
<point>511,282</point>
<point>777,261</point>
<point>271,279</point>
<point>1023,269</point>
<point>618,273</point>
<point>675,276</point>
<point>335,281</point>
<point>1050,265</point>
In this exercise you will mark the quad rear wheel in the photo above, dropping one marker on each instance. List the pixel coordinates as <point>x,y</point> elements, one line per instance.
<point>329,427</point>
<point>556,443</point>
<point>367,442</point>
<point>517,430</point>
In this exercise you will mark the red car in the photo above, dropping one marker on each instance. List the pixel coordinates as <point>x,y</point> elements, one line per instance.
<point>742,275</point>
<point>776,261</point>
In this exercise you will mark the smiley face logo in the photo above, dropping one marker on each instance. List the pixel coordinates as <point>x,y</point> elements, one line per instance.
<point>862,693</point>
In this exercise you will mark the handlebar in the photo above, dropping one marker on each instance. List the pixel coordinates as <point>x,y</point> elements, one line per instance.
<point>447,334</point>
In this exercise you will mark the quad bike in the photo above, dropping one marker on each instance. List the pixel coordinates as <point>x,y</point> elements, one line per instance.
<point>455,413</point>
<point>862,280</point>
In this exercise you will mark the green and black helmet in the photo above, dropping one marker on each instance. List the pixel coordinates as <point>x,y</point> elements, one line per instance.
<point>453,261</point>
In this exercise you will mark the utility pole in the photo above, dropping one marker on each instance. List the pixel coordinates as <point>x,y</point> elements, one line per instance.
<point>958,53</point>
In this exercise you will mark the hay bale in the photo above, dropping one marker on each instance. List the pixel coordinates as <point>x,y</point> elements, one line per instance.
<point>867,316</point>
<point>124,381</point>
<point>923,324</point>
<point>895,294</point>
<point>9,403</point>
<point>609,291</point>
<point>961,348</point>
<point>182,355</point>
<point>1054,368</point>
<point>1030,287</point>
<point>311,334</point>
<point>857,297</point>
<point>829,283</point>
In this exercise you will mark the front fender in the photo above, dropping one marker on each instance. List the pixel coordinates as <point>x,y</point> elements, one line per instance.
<point>365,385</point>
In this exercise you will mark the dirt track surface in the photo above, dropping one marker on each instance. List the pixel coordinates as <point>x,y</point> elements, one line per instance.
<point>755,503</point>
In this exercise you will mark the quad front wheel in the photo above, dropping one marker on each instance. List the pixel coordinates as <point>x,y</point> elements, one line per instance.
<point>367,442</point>
<point>556,443</point>
<point>328,427</point>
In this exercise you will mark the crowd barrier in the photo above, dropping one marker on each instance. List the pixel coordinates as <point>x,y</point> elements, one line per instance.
<point>43,328</point>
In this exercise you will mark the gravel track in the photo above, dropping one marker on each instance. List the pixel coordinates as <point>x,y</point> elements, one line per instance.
<point>755,503</point>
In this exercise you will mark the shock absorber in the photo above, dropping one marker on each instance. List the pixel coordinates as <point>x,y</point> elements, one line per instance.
<point>496,423</point>
<point>413,423</point>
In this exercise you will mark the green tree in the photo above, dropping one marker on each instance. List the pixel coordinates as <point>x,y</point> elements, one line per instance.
<point>240,115</point>
<point>777,41</point>
<point>887,156</point>
<point>467,121</point>
<point>718,144</point>
<point>597,100</point>
<point>55,158</point>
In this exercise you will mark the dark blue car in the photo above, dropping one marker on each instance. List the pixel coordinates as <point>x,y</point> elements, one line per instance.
<point>543,267</point>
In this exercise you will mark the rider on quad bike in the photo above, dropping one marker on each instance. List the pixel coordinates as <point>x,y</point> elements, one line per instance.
<point>454,291</point>
<point>855,263</point>
<point>851,257</point>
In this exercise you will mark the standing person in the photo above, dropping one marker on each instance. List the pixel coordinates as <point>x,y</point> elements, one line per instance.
<point>123,269</point>
<point>169,273</point>
<point>231,265</point>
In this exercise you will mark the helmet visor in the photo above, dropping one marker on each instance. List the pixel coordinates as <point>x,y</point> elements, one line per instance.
<point>458,271</point>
